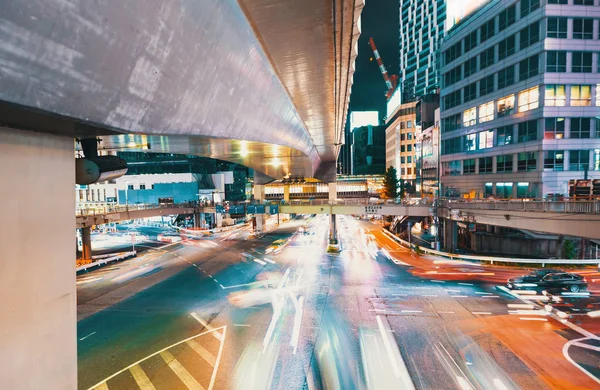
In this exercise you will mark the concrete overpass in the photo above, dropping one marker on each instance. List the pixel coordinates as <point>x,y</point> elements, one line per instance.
<point>569,218</point>
<point>264,83</point>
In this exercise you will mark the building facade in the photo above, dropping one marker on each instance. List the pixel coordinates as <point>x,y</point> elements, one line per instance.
<point>368,150</point>
<point>422,27</point>
<point>400,142</point>
<point>520,94</point>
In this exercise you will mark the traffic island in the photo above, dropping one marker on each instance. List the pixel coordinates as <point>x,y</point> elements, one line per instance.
<point>333,247</point>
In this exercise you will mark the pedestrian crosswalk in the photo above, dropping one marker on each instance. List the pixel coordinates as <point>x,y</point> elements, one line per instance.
<point>190,364</point>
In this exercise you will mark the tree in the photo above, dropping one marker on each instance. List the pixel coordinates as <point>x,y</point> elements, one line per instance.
<point>392,186</point>
<point>569,250</point>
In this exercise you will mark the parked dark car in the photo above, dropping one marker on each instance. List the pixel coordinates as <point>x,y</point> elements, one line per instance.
<point>531,279</point>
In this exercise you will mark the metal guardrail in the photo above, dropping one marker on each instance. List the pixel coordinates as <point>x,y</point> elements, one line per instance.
<point>536,205</point>
<point>357,202</point>
<point>491,259</point>
<point>106,260</point>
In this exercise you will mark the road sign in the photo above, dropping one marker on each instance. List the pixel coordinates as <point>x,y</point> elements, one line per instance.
<point>220,209</point>
<point>274,209</point>
<point>251,209</point>
<point>237,209</point>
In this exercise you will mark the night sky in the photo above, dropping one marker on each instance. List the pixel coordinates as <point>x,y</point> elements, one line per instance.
<point>380,20</point>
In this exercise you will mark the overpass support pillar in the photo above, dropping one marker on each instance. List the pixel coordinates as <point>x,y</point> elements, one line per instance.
<point>450,235</point>
<point>199,220</point>
<point>332,229</point>
<point>86,243</point>
<point>286,193</point>
<point>332,193</point>
<point>259,193</point>
<point>38,330</point>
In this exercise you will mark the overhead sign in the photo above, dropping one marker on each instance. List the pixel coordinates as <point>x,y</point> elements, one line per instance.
<point>256,209</point>
<point>363,118</point>
<point>237,209</point>
<point>394,103</point>
<point>220,209</point>
<point>373,209</point>
<point>274,209</point>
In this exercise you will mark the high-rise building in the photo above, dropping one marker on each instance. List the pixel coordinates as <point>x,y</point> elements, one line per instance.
<point>400,141</point>
<point>368,150</point>
<point>422,27</point>
<point>521,99</point>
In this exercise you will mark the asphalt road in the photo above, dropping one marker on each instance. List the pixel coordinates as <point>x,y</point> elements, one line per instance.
<point>232,312</point>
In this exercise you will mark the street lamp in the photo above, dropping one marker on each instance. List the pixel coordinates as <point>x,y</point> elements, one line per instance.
<point>126,194</point>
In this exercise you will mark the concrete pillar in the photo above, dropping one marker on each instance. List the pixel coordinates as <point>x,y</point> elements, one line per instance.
<point>259,192</point>
<point>198,220</point>
<point>86,243</point>
<point>450,235</point>
<point>286,193</point>
<point>38,333</point>
<point>332,193</point>
<point>332,229</point>
<point>219,220</point>
<point>260,223</point>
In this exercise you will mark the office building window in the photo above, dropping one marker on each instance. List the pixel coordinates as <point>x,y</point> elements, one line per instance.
<point>506,105</point>
<point>580,128</point>
<point>528,6</point>
<point>402,148</point>
<point>486,139</point>
<point>554,128</point>
<point>470,117</point>
<point>489,189</point>
<point>527,162</point>
<point>581,95</point>
<point>556,61</point>
<point>470,92</point>
<point>557,27</point>
<point>452,100</point>
<point>504,190</point>
<point>598,97</point>
<point>130,186</point>
<point>504,163</point>
<point>556,95</point>
<point>506,77</point>
<point>529,35</point>
<point>583,28</point>
<point>506,47</point>
<point>504,135</point>
<point>470,142</point>
<point>451,123</point>
<point>470,66</point>
<point>523,190</point>
<point>453,52</point>
<point>529,99</point>
<point>529,67</point>
<point>486,165</point>
<point>583,2</point>
<point>402,159</point>
<point>470,41</point>
<point>582,62</point>
<point>452,145</point>
<point>469,166</point>
<point>486,112</point>
<point>507,17</point>
<point>409,159</point>
<point>486,85</point>
<point>409,136</point>
<point>488,29</point>
<point>402,137</point>
<point>554,160</point>
<point>451,168</point>
<point>596,161</point>
<point>528,131</point>
<point>142,186</point>
<point>558,1</point>
<point>409,148</point>
<point>486,58</point>
<point>579,160</point>
<point>453,76</point>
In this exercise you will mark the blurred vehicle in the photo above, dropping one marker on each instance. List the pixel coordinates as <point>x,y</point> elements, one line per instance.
<point>531,279</point>
<point>564,281</point>
<point>165,238</point>
<point>276,246</point>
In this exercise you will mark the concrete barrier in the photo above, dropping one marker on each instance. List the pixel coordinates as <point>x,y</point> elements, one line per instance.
<point>106,260</point>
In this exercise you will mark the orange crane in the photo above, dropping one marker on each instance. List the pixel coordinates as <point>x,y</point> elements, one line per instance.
<point>390,82</point>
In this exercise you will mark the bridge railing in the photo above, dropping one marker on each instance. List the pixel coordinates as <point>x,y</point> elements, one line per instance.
<point>538,205</point>
<point>85,212</point>
<point>358,202</point>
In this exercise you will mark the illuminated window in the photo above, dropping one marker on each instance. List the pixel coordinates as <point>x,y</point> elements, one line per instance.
<point>554,160</point>
<point>504,190</point>
<point>504,135</point>
<point>554,128</point>
<point>529,99</point>
<point>486,112</point>
<point>598,91</point>
<point>556,95</point>
<point>486,139</point>
<point>581,95</point>
<point>470,142</point>
<point>596,166</point>
<point>506,106</point>
<point>470,117</point>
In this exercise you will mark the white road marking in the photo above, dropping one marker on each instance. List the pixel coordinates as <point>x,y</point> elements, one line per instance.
<point>452,290</point>
<point>459,296</point>
<point>466,284</point>
<point>565,351</point>
<point>85,337</point>
<point>222,286</point>
<point>141,379</point>
<point>483,293</point>
<point>219,354</point>
<point>268,260</point>
<point>429,295</point>
<point>411,311</point>
<point>445,312</point>
<point>491,296</point>
<point>244,325</point>
<point>533,319</point>
<point>102,384</point>
<point>437,281</point>
<point>89,279</point>
<point>260,262</point>
<point>481,312</point>
<point>200,350</point>
<point>180,371</point>
<point>520,306</point>
<point>206,325</point>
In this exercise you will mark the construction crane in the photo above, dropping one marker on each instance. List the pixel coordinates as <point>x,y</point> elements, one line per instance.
<point>390,82</point>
